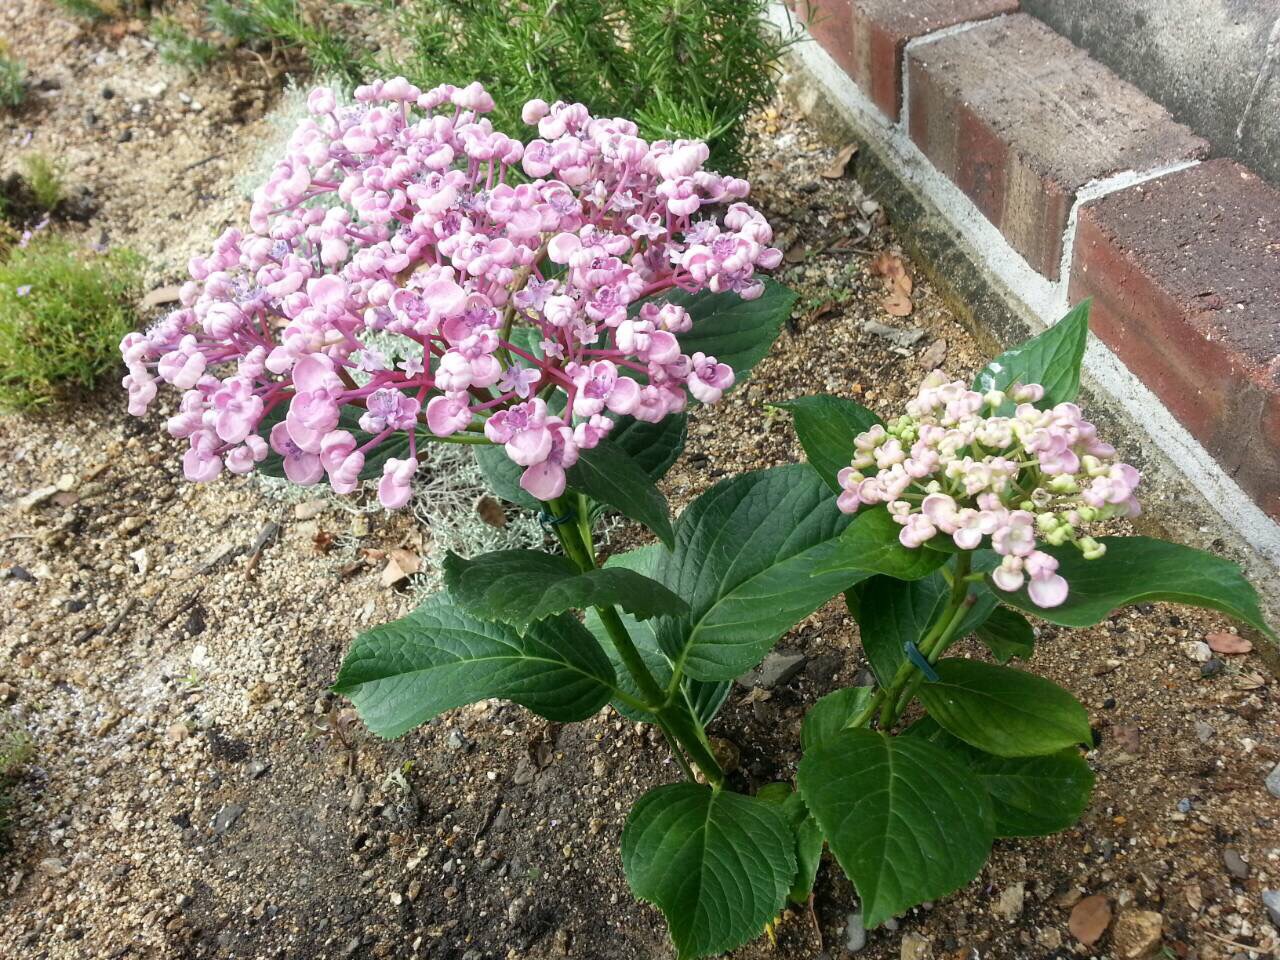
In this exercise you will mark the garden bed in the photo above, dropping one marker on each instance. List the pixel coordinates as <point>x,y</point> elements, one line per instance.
<point>196,792</point>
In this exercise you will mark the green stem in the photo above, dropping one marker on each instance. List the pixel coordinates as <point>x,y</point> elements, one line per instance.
<point>886,700</point>
<point>673,716</point>
<point>687,731</point>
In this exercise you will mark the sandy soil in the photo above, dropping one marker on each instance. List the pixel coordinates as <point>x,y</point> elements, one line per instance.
<point>196,792</point>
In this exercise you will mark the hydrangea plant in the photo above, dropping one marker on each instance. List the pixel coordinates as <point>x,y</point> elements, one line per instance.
<point>412,278</point>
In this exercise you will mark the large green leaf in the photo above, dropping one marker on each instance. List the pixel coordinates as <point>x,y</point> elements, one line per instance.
<point>827,718</point>
<point>1007,634</point>
<point>826,426</point>
<point>1030,796</point>
<point>654,446</point>
<point>870,545</point>
<point>809,838</point>
<point>1052,359</point>
<point>1142,570</point>
<point>734,331</point>
<point>717,864</point>
<point>609,475</point>
<point>1035,796</point>
<point>439,657</point>
<point>892,612</point>
<point>743,557</point>
<point>704,698</point>
<point>1004,711</point>
<point>906,820</point>
<point>521,586</point>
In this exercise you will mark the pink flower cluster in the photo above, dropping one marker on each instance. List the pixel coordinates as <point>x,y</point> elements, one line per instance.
<point>511,295</point>
<point>953,466</point>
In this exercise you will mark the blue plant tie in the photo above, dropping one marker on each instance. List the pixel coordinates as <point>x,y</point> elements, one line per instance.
<point>919,662</point>
<point>547,520</point>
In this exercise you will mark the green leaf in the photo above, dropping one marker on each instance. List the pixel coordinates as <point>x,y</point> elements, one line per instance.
<point>703,698</point>
<point>396,445</point>
<point>826,426</point>
<point>1004,711</point>
<point>827,717</point>
<point>521,586</point>
<point>1052,359</point>
<point>1035,796</point>
<point>870,545</point>
<point>402,674</point>
<point>654,446</point>
<point>1143,570</point>
<point>743,556</point>
<point>717,864</point>
<point>1007,634</point>
<point>891,612</point>
<point>1030,796</point>
<point>809,838</point>
<point>905,819</point>
<point>609,475</point>
<point>734,331</point>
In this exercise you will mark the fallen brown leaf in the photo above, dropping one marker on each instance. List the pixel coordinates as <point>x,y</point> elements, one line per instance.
<point>1228,643</point>
<point>1090,919</point>
<point>934,355</point>
<point>837,167</point>
<point>898,304</point>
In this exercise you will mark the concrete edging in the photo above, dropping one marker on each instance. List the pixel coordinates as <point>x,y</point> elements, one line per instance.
<point>1017,301</point>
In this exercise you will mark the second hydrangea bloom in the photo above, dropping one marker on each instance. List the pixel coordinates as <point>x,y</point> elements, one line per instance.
<point>957,466</point>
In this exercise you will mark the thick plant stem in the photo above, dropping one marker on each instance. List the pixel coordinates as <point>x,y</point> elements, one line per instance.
<point>652,694</point>
<point>889,701</point>
<point>671,714</point>
<point>686,729</point>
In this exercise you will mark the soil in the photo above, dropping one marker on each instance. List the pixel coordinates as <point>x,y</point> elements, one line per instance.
<point>196,792</point>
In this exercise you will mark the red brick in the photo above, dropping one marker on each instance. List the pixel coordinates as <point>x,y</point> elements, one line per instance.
<point>1184,272</point>
<point>867,37</point>
<point>1020,120</point>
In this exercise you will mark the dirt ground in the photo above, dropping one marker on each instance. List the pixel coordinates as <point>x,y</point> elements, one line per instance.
<point>196,792</point>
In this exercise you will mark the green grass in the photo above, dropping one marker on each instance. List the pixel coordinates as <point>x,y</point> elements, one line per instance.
<point>13,81</point>
<point>15,751</point>
<point>44,179</point>
<point>86,9</point>
<point>680,68</point>
<point>291,25</point>
<point>178,46</point>
<point>63,313</point>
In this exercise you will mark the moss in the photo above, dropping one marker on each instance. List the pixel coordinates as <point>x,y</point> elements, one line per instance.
<point>62,316</point>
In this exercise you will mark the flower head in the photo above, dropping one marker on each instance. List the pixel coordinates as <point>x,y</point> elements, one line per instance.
<point>955,467</point>
<point>398,215</point>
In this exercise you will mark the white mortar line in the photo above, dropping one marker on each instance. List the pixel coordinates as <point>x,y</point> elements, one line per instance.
<point>1042,298</point>
<point>1094,190</point>
<point>925,40</point>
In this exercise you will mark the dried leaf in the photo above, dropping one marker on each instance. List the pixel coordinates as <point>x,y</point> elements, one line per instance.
<point>796,252</point>
<point>898,304</point>
<point>1195,899</point>
<point>936,353</point>
<point>1090,919</point>
<point>822,310</point>
<point>837,167</point>
<point>1228,643</point>
<point>490,511</point>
